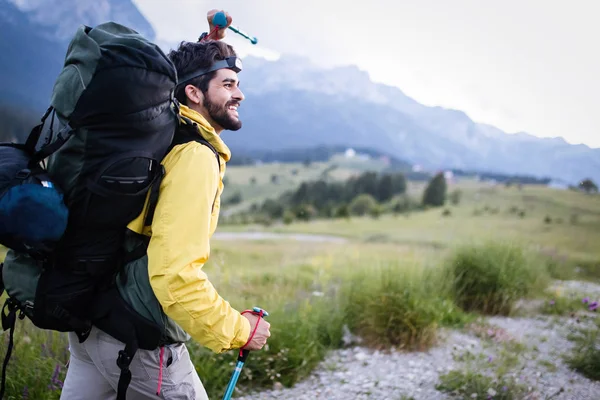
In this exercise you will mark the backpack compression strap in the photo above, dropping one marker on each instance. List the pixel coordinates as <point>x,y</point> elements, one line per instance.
<point>185,133</point>
<point>8,322</point>
<point>50,147</point>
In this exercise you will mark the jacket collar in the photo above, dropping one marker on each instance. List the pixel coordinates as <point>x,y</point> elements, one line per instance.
<point>207,131</point>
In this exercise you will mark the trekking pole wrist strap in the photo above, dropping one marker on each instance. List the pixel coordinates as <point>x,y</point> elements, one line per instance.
<point>260,315</point>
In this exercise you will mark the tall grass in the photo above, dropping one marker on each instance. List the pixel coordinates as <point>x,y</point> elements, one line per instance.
<point>585,356</point>
<point>400,307</point>
<point>36,369</point>
<point>489,278</point>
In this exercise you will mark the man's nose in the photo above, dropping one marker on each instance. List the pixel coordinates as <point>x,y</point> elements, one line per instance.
<point>239,95</point>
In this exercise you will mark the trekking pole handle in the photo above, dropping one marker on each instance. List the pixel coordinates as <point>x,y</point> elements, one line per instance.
<point>261,314</point>
<point>220,20</point>
<point>241,358</point>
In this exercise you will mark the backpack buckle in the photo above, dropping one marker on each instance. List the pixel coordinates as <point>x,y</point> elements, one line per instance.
<point>123,360</point>
<point>23,174</point>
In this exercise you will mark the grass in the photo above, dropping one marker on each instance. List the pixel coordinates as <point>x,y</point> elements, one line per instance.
<point>490,278</point>
<point>573,242</point>
<point>37,367</point>
<point>472,384</point>
<point>585,357</point>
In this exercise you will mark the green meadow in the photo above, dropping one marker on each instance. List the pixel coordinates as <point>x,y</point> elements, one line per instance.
<point>396,280</point>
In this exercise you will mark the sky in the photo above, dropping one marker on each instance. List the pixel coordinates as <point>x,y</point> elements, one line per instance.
<point>523,66</point>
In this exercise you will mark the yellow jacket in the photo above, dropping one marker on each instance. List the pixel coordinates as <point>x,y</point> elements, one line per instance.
<point>180,242</point>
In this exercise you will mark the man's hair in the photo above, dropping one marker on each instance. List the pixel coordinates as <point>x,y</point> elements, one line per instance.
<point>191,56</point>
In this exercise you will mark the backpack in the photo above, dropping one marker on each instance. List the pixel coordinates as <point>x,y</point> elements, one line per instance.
<point>114,102</point>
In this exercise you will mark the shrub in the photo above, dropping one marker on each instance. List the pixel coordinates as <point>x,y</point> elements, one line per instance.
<point>288,217</point>
<point>362,204</point>
<point>455,196</point>
<point>305,212</point>
<point>342,211</point>
<point>395,307</point>
<point>491,277</point>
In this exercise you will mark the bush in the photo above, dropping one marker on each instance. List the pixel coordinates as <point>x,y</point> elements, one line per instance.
<point>574,219</point>
<point>446,212</point>
<point>490,278</point>
<point>288,217</point>
<point>455,196</point>
<point>305,212</point>
<point>362,204</point>
<point>376,211</point>
<point>395,307</point>
<point>235,198</point>
<point>342,212</point>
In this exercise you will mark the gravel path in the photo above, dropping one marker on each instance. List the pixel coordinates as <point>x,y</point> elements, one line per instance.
<point>359,373</point>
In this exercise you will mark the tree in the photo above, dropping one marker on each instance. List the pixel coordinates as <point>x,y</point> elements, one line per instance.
<point>398,183</point>
<point>589,186</point>
<point>385,190</point>
<point>363,204</point>
<point>435,192</point>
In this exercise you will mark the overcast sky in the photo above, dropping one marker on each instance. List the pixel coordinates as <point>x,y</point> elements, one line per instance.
<point>521,65</point>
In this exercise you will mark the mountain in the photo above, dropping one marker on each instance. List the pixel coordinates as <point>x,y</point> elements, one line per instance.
<point>34,36</point>
<point>292,104</point>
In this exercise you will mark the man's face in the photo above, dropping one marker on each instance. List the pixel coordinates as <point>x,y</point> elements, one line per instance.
<point>222,100</point>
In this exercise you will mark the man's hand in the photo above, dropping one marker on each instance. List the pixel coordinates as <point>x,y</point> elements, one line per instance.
<point>262,332</point>
<point>218,34</point>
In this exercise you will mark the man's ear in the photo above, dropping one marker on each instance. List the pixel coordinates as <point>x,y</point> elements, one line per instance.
<point>194,94</point>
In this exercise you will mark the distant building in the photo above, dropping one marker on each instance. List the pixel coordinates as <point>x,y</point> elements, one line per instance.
<point>350,153</point>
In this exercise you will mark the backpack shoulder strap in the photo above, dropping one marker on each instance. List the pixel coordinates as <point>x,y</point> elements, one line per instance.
<point>185,133</point>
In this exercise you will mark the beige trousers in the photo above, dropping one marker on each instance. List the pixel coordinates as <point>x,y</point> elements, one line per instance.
<point>93,373</point>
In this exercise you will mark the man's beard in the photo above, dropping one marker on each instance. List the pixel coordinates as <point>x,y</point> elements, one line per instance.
<point>221,116</point>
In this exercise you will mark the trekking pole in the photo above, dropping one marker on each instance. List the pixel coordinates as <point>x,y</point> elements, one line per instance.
<point>220,20</point>
<point>241,359</point>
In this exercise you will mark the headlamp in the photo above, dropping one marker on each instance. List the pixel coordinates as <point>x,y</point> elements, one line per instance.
<point>234,63</point>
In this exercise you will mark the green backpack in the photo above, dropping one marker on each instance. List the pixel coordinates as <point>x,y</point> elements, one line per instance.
<point>114,102</point>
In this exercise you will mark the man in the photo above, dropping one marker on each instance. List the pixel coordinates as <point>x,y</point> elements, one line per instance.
<point>185,218</point>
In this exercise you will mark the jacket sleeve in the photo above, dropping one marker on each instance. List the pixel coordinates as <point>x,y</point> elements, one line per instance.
<point>179,247</point>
